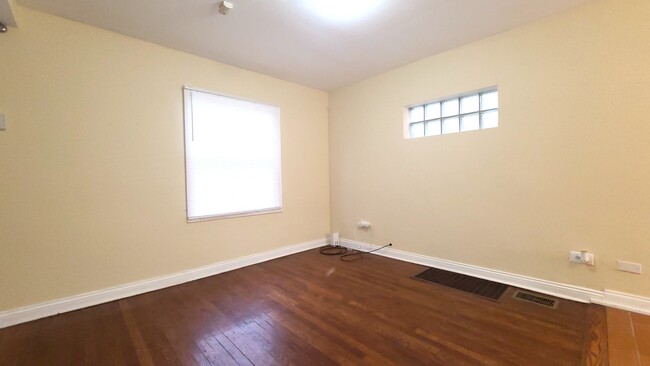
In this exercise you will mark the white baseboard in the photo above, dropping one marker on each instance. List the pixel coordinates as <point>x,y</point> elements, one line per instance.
<point>607,297</point>
<point>625,301</point>
<point>42,310</point>
<point>582,294</point>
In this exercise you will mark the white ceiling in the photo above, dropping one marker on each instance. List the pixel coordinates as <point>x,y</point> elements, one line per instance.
<point>288,40</point>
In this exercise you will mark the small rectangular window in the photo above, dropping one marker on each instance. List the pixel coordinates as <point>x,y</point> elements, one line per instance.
<point>232,156</point>
<point>467,112</point>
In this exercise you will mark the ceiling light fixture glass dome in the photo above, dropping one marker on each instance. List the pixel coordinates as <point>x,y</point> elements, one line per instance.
<point>343,10</point>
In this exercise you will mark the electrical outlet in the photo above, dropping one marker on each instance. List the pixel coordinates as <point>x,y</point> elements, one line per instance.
<point>363,224</point>
<point>575,256</point>
<point>629,267</point>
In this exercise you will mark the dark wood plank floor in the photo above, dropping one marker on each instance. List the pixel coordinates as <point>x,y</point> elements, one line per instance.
<point>306,309</point>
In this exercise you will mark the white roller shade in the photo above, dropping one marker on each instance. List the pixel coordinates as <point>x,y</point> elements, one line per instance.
<point>232,156</point>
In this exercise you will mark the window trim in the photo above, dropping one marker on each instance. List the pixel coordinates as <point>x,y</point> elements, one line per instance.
<point>186,109</point>
<point>459,115</point>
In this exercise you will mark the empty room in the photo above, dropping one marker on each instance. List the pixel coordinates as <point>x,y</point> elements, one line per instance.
<point>325,182</point>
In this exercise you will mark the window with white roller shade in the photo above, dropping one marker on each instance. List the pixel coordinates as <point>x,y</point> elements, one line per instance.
<point>232,156</point>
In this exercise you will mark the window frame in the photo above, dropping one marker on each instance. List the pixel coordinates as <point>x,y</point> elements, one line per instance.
<point>441,117</point>
<point>187,108</point>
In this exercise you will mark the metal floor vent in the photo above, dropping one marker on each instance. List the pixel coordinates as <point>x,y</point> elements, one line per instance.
<point>477,286</point>
<point>535,299</point>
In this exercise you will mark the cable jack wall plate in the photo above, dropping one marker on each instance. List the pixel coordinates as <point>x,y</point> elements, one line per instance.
<point>629,267</point>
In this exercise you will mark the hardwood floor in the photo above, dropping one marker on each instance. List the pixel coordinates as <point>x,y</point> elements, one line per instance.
<point>629,338</point>
<point>307,309</point>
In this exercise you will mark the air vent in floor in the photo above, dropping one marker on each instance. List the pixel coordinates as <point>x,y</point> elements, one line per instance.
<point>484,288</point>
<point>535,299</point>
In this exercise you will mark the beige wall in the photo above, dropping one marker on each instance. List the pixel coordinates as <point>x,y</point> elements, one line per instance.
<point>92,186</point>
<point>92,172</point>
<point>567,168</point>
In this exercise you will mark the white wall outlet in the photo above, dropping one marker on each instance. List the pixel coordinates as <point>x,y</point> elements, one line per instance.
<point>576,256</point>
<point>629,267</point>
<point>363,224</point>
<point>335,240</point>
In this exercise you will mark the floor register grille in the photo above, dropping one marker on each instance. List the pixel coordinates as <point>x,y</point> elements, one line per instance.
<point>477,286</point>
<point>535,299</point>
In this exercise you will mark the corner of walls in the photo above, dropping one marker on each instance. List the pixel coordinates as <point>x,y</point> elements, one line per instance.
<point>8,13</point>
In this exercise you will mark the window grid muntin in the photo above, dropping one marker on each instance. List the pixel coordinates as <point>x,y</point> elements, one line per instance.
<point>425,122</point>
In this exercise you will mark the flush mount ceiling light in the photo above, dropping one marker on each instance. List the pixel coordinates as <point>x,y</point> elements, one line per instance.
<point>3,28</point>
<point>343,10</point>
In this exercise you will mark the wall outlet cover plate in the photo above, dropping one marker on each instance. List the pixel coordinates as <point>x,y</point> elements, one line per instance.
<point>574,257</point>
